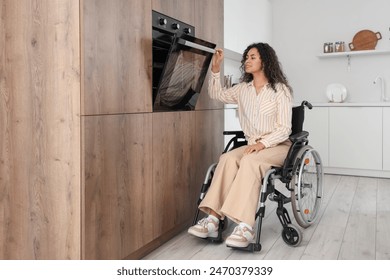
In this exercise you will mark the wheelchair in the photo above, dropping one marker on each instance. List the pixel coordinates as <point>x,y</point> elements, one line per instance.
<point>302,175</point>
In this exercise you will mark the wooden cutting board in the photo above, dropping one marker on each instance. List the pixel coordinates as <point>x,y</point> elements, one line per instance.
<point>365,40</point>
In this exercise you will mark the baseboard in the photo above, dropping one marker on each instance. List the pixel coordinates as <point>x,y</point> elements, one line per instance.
<point>357,172</point>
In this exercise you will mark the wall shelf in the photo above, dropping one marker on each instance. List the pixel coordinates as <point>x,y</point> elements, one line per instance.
<point>233,55</point>
<point>350,54</point>
<point>353,53</point>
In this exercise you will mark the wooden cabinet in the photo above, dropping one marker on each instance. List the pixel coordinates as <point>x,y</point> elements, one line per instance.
<point>210,27</point>
<point>182,10</point>
<point>116,41</point>
<point>210,14</point>
<point>39,130</point>
<point>210,143</point>
<point>173,169</point>
<point>355,137</point>
<point>87,171</point>
<point>386,138</point>
<point>317,124</point>
<point>142,170</point>
<point>118,205</point>
<point>182,152</point>
<point>142,177</point>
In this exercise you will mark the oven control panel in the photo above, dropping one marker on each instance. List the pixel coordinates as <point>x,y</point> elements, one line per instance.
<point>168,24</point>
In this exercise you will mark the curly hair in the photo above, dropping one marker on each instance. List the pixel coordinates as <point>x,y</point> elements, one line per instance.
<point>272,67</point>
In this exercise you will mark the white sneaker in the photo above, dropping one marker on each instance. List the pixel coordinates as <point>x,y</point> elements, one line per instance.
<point>206,227</point>
<point>241,237</point>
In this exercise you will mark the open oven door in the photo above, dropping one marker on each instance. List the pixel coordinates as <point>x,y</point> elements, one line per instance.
<point>183,74</point>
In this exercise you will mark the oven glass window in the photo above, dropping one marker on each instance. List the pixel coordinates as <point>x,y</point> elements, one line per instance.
<point>180,63</point>
<point>183,74</point>
<point>179,88</point>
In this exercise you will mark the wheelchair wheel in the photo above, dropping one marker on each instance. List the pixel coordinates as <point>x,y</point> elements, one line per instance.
<point>291,235</point>
<point>306,185</point>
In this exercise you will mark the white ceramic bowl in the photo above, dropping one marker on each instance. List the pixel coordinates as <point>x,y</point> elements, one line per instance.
<point>336,92</point>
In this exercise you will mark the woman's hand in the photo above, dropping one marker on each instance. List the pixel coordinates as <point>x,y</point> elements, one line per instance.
<point>216,61</point>
<point>254,148</point>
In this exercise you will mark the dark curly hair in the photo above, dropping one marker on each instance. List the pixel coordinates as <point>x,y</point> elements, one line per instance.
<point>272,68</point>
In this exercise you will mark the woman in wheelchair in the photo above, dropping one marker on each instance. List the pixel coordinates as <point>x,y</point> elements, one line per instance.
<point>264,100</point>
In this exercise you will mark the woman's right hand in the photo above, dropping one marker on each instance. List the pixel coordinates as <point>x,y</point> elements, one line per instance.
<point>216,61</point>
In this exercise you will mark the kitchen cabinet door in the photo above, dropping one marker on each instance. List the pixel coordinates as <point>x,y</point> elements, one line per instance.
<point>182,10</point>
<point>116,42</point>
<point>173,170</point>
<point>39,131</point>
<point>355,137</point>
<point>209,139</point>
<point>386,138</point>
<point>317,124</point>
<point>117,205</point>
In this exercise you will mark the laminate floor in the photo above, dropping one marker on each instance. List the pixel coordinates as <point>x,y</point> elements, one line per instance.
<point>354,224</point>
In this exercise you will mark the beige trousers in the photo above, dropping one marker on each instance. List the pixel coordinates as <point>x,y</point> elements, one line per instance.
<point>235,188</point>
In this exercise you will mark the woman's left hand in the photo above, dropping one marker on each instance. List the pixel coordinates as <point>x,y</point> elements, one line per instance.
<point>254,148</point>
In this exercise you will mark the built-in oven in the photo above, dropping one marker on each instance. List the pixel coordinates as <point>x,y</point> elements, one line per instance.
<point>180,64</point>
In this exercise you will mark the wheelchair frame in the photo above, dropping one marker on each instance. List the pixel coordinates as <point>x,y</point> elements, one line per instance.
<point>301,163</point>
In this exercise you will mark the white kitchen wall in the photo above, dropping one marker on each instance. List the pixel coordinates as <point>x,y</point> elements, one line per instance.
<point>299,29</point>
<point>246,22</point>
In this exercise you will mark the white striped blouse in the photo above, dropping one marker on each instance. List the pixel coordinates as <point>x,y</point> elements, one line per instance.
<point>264,117</point>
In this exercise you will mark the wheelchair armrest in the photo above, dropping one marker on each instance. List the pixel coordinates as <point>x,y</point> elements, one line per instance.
<point>237,141</point>
<point>238,133</point>
<point>299,136</point>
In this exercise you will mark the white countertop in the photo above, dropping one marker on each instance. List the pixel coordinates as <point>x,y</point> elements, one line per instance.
<point>351,104</point>
<point>333,104</point>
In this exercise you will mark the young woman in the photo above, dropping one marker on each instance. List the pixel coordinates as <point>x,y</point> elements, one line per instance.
<point>264,100</point>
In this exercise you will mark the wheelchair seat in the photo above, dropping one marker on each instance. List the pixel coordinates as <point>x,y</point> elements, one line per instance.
<point>302,175</point>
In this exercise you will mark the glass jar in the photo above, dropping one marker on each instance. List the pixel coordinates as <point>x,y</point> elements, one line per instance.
<point>330,47</point>
<point>339,46</point>
<point>326,47</point>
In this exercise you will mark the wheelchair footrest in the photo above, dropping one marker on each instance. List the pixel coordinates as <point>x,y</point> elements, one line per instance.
<point>217,239</point>
<point>222,226</point>
<point>252,247</point>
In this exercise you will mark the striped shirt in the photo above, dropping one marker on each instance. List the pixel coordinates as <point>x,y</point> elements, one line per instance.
<point>264,117</point>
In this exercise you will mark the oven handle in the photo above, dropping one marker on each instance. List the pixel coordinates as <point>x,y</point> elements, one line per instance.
<point>194,45</point>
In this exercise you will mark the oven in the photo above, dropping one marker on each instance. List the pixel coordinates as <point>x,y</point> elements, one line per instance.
<point>180,64</point>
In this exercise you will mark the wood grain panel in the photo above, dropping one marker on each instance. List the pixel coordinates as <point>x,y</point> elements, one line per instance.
<point>40,130</point>
<point>118,185</point>
<point>117,43</point>
<point>209,20</point>
<point>210,143</point>
<point>130,198</point>
<point>173,169</point>
<point>209,26</point>
<point>182,10</point>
